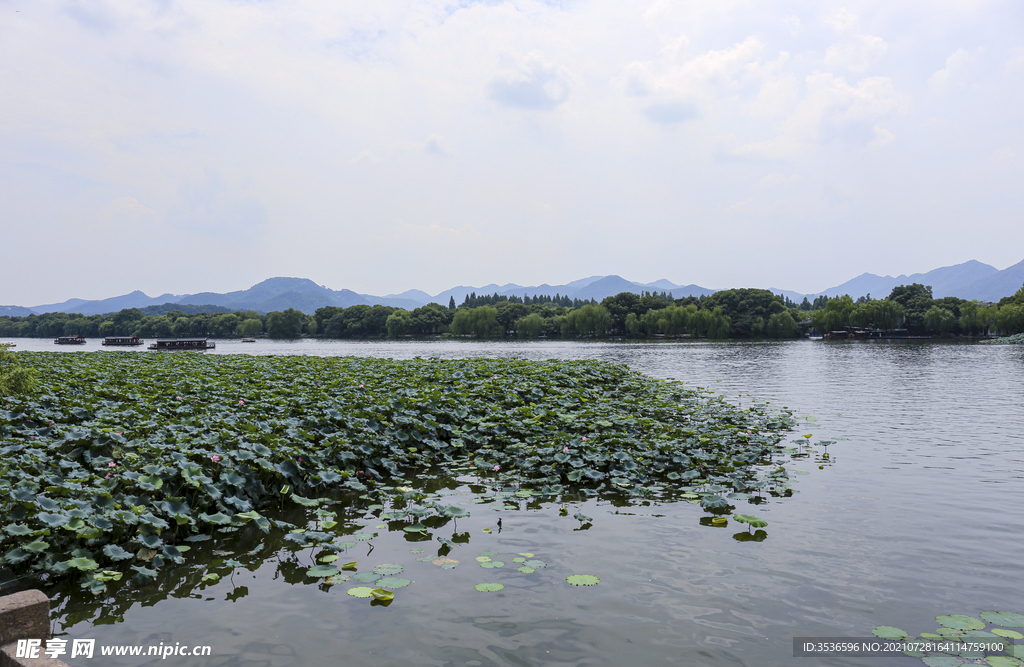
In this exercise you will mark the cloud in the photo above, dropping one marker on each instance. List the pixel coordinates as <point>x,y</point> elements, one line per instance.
<point>531,83</point>
<point>670,112</point>
<point>833,109</point>
<point>843,20</point>
<point>210,207</point>
<point>856,54</point>
<point>953,75</point>
<point>435,143</point>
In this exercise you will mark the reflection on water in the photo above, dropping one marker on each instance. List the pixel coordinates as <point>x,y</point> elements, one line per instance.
<point>921,516</point>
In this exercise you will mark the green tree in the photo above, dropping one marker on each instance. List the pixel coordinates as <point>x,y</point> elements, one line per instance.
<point>451,302</point>
<point>743,307</point>
<point>916,299</point>
<point>285,324</point>
<point>530,326</point>
<point>14,378</point>
<point>481,322</point>
<point>249,328</point>
<point>399,324</point>
<point>939,320</point>
<point>632,324</point>
<point>781,325</point>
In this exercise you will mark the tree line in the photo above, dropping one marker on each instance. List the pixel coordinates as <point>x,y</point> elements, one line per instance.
<point>734,313</point>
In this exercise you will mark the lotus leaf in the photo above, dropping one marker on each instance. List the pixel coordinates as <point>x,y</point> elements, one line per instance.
<point>1009,634</point>
<point>388,569</point>
<point>942,661</point>
<point>1002,661</point>
<point>336,579</point>
<point>889,632</point>
<point>488,588</point>
<point>320,571</point>
<point>393,582</point>
<point>360,592</point>
<point>492,564</point>
<point>583,580</point>
<point>960,622</point>
<point>526,570</point>
<point>1007,619</point>
<point>366,577</point>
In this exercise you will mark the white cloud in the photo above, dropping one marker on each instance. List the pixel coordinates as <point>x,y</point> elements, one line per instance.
<point>830,109</point>
<point>842,20</point>
<point>435,143</point>
<point>953,75</point>
<point>531,83</point>
<point>856,54</point>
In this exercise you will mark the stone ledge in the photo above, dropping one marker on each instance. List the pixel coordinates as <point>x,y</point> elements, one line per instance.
<point>24,615</point>
<point>7,659</point>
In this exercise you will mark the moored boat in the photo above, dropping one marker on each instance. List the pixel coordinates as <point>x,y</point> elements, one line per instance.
<point>248,340</point>
<point>70,340</point>
<point>123,340</point>
<point>182,344</point>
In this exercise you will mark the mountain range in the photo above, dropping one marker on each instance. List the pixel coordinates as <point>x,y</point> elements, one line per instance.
<point>970,280</point>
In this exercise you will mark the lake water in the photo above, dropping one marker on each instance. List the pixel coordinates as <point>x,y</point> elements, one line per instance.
<point>918,512</point>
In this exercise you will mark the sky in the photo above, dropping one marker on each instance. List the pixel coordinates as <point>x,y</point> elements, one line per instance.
<point>206,145</point>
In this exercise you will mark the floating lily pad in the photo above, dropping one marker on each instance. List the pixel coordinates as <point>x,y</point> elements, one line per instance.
<point>527,555</point>
<point>415,528</point>
<point>960,622</point>
<point>1009,634</point>
<point>346,545</point>
<point>393,582</point>
<point>583,580</point>
<point>440,562</point>
<point>329,558</point>
<point>483,559</point>
<point>363,537</point>
<point>535,564</point>
<point>492,564</point>
<point>322,571</point>
<point>388,569</point>
<point>360,592</point>
<point>1002,661</point>
<point>518,559</point>
<point>488,588</point>
<point>526,570</point>
<point>942,661</point>
<point>336,579</point>
<point>889,632</point>
<point>366,577</point>
<point>1007,619</point>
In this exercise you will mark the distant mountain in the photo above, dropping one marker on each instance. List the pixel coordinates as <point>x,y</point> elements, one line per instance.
<point>946,281</point>
<point>994,287</point>
<point>970,280</point>
<point>15,311</point>
<point>135,299</point>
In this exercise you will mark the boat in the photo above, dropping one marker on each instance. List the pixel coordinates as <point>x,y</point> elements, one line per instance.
<point>248,340</point>
<point>123,340</point>
<point>70,340</point>
<point>182,344</point>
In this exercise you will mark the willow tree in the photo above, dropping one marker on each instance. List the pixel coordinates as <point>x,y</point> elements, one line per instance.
<point>14,378</point>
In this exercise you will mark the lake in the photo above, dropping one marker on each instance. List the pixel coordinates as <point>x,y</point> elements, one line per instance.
<point>917,512</point>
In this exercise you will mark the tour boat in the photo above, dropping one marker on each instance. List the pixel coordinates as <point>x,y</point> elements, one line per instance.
<point>123,340</point>
<point>70,340</point>
<point>182,344</point>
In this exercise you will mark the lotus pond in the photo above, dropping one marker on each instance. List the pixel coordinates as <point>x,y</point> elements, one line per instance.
<point>692,529</point>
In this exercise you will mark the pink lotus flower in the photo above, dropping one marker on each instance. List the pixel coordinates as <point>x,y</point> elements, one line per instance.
<point>495,377</point>
<point>31,437</point>
<point>241,402</point>
<point>584,438</point>
<point>300,459</point>
<point>111,465</point>
<point>215,458</point>
<point>566,448</point>
<point>178,397</point>
<point>108,476</point>
<point>496,468</point>
<point>360,386</point>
